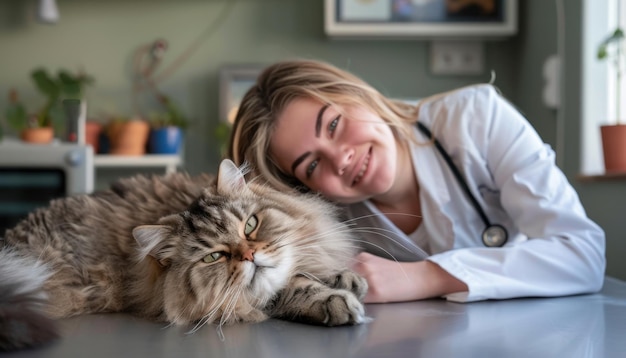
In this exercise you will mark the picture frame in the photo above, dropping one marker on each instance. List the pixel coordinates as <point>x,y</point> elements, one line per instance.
<point>420,19</point>
<point>234,82</point>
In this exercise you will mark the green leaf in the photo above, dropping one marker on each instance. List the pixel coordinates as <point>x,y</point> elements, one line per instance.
<point>16,116</point>
<point>602,52</point>
<point>46,84</point>
<point>616,36</point>
<point>56,117</point>
<point>613,39</point>
<point>73,86</point>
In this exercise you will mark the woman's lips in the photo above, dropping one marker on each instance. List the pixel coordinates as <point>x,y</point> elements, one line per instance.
<point>363,170</point>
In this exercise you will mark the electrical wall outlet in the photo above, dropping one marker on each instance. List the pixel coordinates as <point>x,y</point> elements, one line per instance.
<point>456,58</point>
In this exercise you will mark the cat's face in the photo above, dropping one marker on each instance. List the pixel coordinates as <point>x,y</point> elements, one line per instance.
<point>231,251</point>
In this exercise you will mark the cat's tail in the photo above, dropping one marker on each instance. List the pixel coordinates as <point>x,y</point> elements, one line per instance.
<point>22,323</point>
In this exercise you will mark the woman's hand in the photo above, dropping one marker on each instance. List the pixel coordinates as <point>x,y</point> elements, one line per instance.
<point>391,281</point>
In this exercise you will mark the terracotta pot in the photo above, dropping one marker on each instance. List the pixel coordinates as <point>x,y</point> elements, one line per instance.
<point>92,134</point>
<point>42,135</point>
<point>614,147</point>
<point>129,138</point>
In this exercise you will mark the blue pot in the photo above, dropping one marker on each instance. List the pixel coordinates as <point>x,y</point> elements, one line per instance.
<point>166,140</point>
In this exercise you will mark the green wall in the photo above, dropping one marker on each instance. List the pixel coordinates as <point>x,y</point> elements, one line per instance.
<point>102,36</point>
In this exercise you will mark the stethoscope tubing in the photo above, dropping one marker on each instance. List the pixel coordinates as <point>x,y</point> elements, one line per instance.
<point>456,172</point>
<point>489,227</point>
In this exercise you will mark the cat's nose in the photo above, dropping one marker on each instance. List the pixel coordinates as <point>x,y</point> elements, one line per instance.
<point>248,255</point>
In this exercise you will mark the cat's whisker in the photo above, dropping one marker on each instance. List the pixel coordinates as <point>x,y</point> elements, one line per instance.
<point>343,229</point>
<point>342,256</point>
<point>333,230</point>
<point>208,318</point>
<point>155,246</point>
<point>352,220</point>
<point>356,246</point>
<point>169,325</point>
<point>381,232</point>
<point>313,240</point>
<point>390,255</point>
<point>228,311</point>
<point>310,276</point>
<point>220,333</point>
<point>371,230</point>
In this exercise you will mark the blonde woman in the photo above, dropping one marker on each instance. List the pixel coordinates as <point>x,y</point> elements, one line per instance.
<point>454,197</point>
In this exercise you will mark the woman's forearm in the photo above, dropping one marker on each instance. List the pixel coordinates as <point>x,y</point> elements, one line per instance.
<point>391,281</point>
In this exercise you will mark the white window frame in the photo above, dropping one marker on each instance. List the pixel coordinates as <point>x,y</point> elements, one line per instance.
<point>598,82</point>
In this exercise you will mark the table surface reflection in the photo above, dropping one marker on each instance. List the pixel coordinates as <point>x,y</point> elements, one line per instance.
<point>576,326</point>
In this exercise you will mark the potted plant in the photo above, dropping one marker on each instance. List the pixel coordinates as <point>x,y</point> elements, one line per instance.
<point>39,126</point>
<point>167,127</point>
<point>36,127</point>
<point>614,135</point>
<point>127,135</point>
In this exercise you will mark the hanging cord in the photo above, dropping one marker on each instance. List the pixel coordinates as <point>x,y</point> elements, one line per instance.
<point>208,33</point>
<point>492,80</point>
<point>145,62</point>
<point>148,58</point>
<point>560,120</point>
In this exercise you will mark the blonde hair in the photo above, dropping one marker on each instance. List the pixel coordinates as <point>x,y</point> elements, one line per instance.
<point>285,81</point>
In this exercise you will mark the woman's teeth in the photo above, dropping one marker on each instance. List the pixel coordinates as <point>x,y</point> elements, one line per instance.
<point>362,171</point>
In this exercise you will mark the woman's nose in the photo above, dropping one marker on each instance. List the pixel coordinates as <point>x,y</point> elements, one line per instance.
<point>343,159</point>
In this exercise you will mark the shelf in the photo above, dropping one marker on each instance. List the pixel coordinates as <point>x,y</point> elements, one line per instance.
<point>587,178</point>
<point>169,162</point>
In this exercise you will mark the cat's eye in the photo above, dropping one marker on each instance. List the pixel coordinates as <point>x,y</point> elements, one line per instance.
<point>212,257</point>
<point>251,225</point>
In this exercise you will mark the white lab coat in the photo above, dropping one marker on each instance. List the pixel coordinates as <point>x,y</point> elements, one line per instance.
<point>554,249</point>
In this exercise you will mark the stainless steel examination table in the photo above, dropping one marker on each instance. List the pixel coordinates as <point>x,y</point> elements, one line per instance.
<point>577,326</point>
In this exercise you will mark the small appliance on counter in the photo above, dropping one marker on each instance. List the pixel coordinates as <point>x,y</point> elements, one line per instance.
<point>33,174</point>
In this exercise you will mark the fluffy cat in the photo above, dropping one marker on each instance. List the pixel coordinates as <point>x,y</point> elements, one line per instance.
<point>181,250</point>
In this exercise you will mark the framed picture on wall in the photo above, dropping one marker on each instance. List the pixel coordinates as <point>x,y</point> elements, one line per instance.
<point>420,18</point>
<point>235,80</point>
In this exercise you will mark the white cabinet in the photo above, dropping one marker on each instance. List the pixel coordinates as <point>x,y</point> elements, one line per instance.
<point>169,163</point>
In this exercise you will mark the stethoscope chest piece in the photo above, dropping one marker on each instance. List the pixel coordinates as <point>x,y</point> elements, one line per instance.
<point>495,236</point>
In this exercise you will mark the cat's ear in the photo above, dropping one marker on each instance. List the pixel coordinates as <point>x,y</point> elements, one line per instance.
<point>153,241</point>
<point>230,178</point>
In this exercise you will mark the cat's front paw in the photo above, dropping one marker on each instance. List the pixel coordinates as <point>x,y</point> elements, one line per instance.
<point>318,302</point>
<point>351,281</point>
<point>340,307</point>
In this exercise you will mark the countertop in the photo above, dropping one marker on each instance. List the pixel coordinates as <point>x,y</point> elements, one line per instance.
<point>591,325</point>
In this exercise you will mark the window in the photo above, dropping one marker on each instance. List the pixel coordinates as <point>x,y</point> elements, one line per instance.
<point>597,82</point>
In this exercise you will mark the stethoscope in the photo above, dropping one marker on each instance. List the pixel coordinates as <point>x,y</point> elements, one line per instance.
<point>494,235</point>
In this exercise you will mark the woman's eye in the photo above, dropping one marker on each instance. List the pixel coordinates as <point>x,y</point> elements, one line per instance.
<point>311,168</point>
<point>212,257</point>
<point>251,225</point>
<point>333,125</point>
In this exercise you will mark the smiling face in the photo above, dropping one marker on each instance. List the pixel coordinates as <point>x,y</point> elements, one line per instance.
<point>347,154</point>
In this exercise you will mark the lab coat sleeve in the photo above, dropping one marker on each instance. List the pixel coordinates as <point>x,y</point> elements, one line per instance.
<point>564,253</point>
